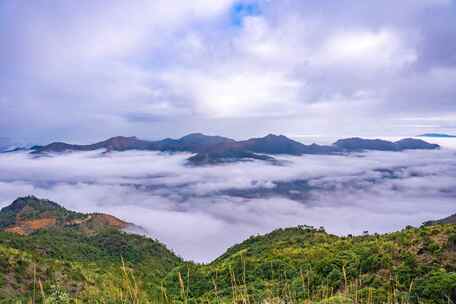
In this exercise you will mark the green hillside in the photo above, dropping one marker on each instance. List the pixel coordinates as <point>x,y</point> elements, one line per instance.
<point>86,258</point>
<point>303,264</point>
<point>448,220</point>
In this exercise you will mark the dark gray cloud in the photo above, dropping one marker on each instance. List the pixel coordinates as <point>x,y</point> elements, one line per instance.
<point>87,70</point>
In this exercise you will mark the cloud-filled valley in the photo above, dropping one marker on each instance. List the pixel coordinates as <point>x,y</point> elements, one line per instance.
<point>201,211</point>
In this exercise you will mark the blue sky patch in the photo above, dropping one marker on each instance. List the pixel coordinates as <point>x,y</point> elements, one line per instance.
<point>241,10</point>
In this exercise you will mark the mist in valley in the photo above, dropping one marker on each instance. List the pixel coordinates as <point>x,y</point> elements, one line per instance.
<point>199,212</point>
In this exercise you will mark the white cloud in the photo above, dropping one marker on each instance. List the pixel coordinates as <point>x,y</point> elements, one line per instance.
<point>238,92</point>
<point>126,66</point>
<point>197,212</point>
<point>371,50</point>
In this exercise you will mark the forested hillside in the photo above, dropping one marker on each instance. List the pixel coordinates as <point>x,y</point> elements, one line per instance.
<point>83,258</point>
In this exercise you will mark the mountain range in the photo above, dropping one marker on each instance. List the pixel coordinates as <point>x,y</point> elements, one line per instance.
<point>49,254</point>
<point>437,135</point>
<point>217,149</point>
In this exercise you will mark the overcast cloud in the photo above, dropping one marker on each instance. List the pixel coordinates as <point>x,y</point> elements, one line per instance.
<point>92,69</point>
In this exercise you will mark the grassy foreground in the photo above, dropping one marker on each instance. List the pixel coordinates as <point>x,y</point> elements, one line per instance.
<point>74,264</point>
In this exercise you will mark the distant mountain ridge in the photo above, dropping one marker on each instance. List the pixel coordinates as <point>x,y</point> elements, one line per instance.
<point>437,135</point>
<point>195,142</point>
<point>448,220</point>
<point>7,144</point>
<point>359,144</point>
<point>217,149</point>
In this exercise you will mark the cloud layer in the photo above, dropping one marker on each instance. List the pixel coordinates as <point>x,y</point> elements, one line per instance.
<point>164,68</point>
<point>200,212</point>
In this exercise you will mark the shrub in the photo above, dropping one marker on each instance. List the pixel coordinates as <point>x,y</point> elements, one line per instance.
<point>58,296</point>
<point>439,285</point>
<point>452,241</point>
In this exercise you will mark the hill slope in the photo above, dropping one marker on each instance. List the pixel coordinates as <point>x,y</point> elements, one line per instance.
<point>27,215</point>
<point>92,260</point>
<point>87,255</point>
<point>448,220</point>
<point>303,263</point>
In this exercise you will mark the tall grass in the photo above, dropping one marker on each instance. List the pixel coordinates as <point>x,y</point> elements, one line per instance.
<point>351,292</point>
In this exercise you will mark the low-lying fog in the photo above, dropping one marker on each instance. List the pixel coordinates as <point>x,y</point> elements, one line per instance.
<point>200,212</point>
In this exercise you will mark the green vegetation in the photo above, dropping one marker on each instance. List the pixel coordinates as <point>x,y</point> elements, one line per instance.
<point>28,208</point>
<point>85,267</point>
<point>305,264</point>
<point>296,265</point>
<point>82,260</point>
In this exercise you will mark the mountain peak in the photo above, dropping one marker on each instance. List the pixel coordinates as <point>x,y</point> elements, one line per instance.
<point>117,138</point>
<point>274,144</point>
<point>272,135</point>
<point>413,143</point>
<point>120,143</point>
<point>195,135</point>
<point>29,214</point>
<point>203,137</point>
<point>120,140</point>
<point>30,202</point>
<point>275,136</point>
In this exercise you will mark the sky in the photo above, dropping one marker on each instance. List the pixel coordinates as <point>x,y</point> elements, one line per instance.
<point>199,212</point>
<point>87,70</point>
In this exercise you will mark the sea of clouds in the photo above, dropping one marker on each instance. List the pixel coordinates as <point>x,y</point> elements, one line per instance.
<point>200,211</point>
